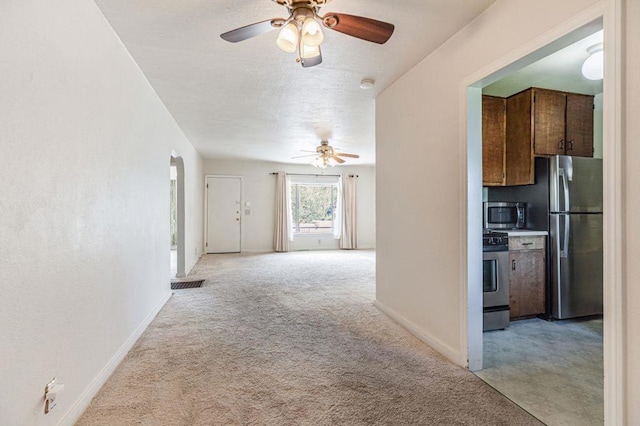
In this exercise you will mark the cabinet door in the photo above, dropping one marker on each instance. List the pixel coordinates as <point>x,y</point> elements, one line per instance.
<point>519,156</point>
<point>526,283</point>
<point>549,122</point>
<point>493,140</point>
<point>579,125</point>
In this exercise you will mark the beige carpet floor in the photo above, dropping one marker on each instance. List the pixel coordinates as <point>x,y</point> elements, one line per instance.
<point>289,339</point>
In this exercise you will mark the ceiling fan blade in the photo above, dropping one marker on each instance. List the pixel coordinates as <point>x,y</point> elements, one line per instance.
<point>338,159</point>
<point>360,27</point>
<point>252,30</point>
<point>302,156</point>
<point>312,62</point>
<point>344,154</point>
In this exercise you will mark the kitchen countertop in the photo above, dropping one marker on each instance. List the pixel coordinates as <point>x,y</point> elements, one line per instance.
<point>525,233</point>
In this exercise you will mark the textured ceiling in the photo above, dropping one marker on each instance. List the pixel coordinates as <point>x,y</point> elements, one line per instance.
<point>561,70</point>
<point>251,100</point>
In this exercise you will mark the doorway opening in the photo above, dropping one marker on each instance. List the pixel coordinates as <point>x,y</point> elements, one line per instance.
<point>564,353</point>
<point>176,216</point>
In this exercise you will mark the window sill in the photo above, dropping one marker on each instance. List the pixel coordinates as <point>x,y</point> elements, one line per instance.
<point>314,236</point>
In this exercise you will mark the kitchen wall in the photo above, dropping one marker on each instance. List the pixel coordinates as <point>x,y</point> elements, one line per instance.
<point>419,233</point>
<point>259,190</point>
<point>86,147</point>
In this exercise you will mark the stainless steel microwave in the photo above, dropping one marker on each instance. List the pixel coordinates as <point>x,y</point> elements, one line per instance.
<point>504,215</point>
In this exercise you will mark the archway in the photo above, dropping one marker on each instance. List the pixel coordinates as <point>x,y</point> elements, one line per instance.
<point>177,215</point>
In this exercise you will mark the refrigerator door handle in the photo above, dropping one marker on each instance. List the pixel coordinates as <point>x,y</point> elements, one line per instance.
<point>565,190</point>
<point>565,221</point>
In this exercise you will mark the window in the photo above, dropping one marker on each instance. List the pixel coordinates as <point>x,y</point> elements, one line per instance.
<point>314,208</point>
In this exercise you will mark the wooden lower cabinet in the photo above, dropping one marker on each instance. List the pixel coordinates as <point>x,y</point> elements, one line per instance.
<point>526,277</point>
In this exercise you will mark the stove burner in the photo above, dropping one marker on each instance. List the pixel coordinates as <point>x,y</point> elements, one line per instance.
<point>495,241</point>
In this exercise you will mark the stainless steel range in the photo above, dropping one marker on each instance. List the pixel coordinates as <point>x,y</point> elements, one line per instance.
<point>495,281</point>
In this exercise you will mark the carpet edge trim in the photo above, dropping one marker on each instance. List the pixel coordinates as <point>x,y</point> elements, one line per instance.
<point>438,345</point>
<point>81,404</point>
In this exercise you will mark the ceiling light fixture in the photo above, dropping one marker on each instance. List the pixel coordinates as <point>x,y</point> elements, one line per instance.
<point>367,83</point>
<point>288,37</point>
<point>311,33</point>
<point>309,55</point>
<point>593,67</point>
<point>302,30</point>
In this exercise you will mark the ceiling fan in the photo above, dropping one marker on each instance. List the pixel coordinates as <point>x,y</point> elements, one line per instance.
<point>326,155</point>
<point>302,31</point>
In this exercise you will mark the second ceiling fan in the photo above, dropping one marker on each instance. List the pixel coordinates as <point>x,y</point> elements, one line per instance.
<point>301,32</point>
<point>326,155</point>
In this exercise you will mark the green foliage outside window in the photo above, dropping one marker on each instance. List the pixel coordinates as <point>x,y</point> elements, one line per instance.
<point>313,207</point>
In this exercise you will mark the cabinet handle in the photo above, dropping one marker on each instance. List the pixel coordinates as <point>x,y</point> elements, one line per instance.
<point>570,148</point>
<point>513,265</point>
<point>526,244</point>
<point>561,145</point>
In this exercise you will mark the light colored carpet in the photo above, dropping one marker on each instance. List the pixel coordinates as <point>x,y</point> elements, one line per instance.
<point>552,369</point>
<point>289,339</point>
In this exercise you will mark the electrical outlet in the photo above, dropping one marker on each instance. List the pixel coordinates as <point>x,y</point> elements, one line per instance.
<point>51,391</point>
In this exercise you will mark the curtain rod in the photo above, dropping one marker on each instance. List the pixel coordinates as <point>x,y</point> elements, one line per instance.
<point>309,174</point>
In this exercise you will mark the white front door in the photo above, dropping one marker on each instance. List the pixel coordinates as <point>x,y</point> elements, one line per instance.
<point>224,195</point>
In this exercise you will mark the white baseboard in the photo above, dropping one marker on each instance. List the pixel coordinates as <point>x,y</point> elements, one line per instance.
<point>83,402</point>
<point>188,270</point>
<point>250,251</point>
<point>437,344</point>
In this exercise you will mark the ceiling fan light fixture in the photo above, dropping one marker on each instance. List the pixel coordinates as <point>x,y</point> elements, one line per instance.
<point>319,162</point>
<point>309,52</point>
<point>288,38</point>
<point>593,67</point>
<point>311,33</point>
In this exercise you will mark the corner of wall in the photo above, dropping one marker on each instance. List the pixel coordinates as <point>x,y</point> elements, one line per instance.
<point>450,353</point>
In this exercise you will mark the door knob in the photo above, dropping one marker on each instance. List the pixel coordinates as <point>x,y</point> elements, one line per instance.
<point>237,218</point>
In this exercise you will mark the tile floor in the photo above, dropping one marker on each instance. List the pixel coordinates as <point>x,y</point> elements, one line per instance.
<point>554,370</point>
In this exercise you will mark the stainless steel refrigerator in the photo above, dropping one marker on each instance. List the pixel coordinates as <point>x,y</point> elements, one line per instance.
<point>566,200</point>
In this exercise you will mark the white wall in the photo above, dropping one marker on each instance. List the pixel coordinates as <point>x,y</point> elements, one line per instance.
<point>419,217</point>
<point>631,243</point>
<point>259,190</point>
<point>419,275</point>
<point>84,205</point>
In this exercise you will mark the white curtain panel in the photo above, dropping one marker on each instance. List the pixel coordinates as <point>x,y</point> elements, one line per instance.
<point>337,217</point>
<point>282,227</point>
<point>349,236</point>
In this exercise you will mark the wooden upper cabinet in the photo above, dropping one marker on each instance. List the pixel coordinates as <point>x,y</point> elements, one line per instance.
<point>549,122</point>
<point>538,122</point>
<point>493,140</point>
<point>579,125</point>
<point>519,158</point>
<point>562,123</point>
